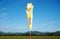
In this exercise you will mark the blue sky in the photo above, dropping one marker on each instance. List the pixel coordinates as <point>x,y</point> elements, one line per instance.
<point>46,15</point>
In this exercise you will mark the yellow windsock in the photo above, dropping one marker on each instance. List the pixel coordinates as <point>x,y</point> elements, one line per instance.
<point>29,11</point>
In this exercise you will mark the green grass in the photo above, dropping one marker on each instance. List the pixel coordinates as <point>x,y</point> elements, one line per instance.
<point>27,37</point>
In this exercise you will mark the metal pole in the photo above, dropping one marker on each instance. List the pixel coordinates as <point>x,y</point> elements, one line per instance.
<point>30,35</point>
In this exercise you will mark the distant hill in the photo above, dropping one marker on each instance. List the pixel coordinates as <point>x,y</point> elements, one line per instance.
<point>33,33</point>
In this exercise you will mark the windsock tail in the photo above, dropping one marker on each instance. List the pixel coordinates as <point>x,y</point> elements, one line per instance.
<point>30,26</point>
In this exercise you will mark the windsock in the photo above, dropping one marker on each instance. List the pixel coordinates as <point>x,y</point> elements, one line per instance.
<point>29,14</point>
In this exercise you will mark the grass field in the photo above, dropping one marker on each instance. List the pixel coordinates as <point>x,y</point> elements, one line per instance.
<point>27,37</point>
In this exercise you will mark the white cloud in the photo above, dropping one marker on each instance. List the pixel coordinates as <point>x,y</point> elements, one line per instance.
<point>19,27</point>
<point>47,23</point>
<point>3,15</point>
<point>7,28</point>
<point>3,9</point>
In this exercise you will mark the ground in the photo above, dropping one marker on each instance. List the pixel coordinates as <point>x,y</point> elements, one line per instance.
<point>27,37</point>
